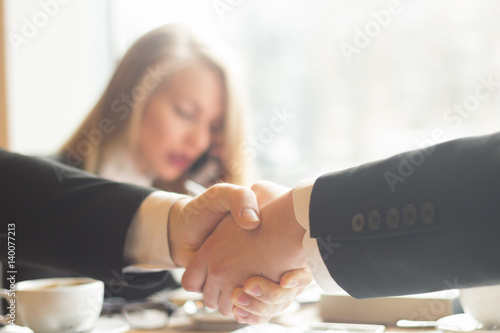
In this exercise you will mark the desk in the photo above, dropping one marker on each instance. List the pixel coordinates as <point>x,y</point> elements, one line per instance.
<point>307,313</point>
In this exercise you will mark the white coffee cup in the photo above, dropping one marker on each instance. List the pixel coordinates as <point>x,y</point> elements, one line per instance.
<point>482,303</point>
<point>54,305</point>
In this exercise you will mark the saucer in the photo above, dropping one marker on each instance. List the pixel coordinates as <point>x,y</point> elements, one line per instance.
<point>462,323</point>
<point>103,325</point>
<point>15,329</point>
<point>110,325</point>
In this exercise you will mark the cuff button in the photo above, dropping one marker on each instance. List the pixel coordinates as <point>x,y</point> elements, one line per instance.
<point>409,215</point>
<point>427,213</point>
<point>358,222</point>
<point>393,218</point>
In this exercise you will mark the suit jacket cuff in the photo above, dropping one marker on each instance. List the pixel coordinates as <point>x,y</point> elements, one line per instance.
<point>301,201</point>
<point>146,246</point>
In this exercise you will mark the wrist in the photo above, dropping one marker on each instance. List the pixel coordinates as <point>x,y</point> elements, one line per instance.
<point>295,229</point>
<point>175,224</point>
<point>290,209</point>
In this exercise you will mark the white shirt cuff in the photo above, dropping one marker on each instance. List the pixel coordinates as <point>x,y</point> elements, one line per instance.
<point>301,201</point>
<point>146,246</point>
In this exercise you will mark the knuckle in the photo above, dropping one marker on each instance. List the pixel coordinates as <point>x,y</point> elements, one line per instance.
<point>305,277</point>
<point>223,186</point>
<point>209,302</point>
<point>225,311</point>
<point>190,286</point>
<point>235,293</point>
<point>252,281</point>
<point>241,192</point>
<point>214,190</point>
<point>259,184</point>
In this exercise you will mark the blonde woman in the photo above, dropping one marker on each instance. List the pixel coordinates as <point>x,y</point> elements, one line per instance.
<point>171,113</point>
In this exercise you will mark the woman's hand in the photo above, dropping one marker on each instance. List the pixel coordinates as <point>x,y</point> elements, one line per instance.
<point>261,298</point>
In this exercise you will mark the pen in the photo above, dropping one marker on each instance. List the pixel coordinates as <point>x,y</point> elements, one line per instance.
<point>194,188</point>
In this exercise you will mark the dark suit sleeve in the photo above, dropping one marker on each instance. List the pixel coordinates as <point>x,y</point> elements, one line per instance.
<point>65,218</point>
<point>420,221</point>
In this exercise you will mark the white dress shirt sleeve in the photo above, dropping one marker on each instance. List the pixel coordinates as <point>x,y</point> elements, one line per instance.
<point>301,201</point>
<point>146,246</point>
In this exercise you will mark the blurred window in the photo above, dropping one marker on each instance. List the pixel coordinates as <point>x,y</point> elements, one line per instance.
<point>351,81</point>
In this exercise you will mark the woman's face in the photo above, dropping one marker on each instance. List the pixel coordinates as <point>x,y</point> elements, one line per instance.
<point>180,121</point>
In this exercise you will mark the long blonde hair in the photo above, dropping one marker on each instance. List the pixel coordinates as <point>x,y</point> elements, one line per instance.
<point>115,119</point>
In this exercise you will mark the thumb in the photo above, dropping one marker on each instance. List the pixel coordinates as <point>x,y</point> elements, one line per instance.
<point>209,208</point>
<point>300,278</point>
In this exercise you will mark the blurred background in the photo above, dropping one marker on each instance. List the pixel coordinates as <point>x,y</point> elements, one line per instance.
<point>357,80</point>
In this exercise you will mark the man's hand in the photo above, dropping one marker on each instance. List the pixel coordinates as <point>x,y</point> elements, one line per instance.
<point>231,255</point>
<point>191,221</point>
<point>260,298</point>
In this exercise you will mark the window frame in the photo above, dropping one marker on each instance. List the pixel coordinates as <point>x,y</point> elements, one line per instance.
<point>4,137</point>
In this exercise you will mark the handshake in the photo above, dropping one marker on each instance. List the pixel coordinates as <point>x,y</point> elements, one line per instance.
<point>242,248</point>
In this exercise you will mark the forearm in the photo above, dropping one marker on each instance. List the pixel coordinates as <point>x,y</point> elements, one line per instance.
<point>66,218</point>
<point>435,224</point>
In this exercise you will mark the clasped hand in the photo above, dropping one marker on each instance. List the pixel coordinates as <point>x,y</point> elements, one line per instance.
<point>249,266</point>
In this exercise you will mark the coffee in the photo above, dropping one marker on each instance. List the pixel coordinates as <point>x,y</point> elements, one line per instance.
<point>72,304</point>
<point>59,285</point>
